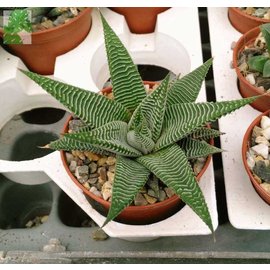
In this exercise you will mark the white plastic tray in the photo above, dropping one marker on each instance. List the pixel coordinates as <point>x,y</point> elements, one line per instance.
<point>171,46</point>
<point>245,208</point>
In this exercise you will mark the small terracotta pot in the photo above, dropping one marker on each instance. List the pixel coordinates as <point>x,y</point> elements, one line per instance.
<point>243,22</point>
<point>140,20</point>
<point>133,214</point>
<point>46,45</point>
<point>246,89</point>
<point>246,144</point>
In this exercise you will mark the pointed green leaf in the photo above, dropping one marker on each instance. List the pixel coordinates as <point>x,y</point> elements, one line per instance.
<point>266,69</point>
<point>171,166</point>
<point>153,108</point>
<point>130,177</point>
<point>92,108</point>
<point>186,89</point>
<point>111,137</point>
<point>205,133</point>
<point>140,142</point>
<point>184,118</point>
<point>67,144</point>
<point>265,29</point>
<point>257,63</point>
<point>195,148</point>
<point>128,88</point>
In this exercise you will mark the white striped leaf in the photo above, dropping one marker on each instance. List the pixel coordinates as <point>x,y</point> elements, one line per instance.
<point>186,89</point>
<point>130,177</point>
<point>195,148</point>
<point>92,108</point>
<point>110,137</point>
<point>68,144</point>
<point>152,110</point>
<point>140,141</point>
<point>128,88</point>
<point>205,133</point>
<point>184,118</point>
<point>171,166</point>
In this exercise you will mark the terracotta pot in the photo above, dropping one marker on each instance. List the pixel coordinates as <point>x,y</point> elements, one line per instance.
<point>246,89</point>
<point>133,214</point>
<point>46,45</point>
<point>246,144</point>
<point>140,20</point>
<point>243,22</point>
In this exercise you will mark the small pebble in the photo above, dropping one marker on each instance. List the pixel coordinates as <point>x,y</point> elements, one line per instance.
<point>251,79</point>
<point>99,235</point>
<point>261,149</point>
<point>150,199</point>
<point>169,192</point>
<point>140,200</point>
<point>93,167</point>
<point>110,177</point>
<point>111,161</point>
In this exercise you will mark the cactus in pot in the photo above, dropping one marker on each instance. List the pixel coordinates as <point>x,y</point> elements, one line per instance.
<point>145,132</point>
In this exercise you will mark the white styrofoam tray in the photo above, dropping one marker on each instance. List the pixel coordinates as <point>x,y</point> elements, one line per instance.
<point>171,46</point>
<point>245,208</point>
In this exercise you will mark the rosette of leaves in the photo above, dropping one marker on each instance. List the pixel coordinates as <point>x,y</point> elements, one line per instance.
<point>18,21</point>
<point>261,63</point>
<point>155,133</point>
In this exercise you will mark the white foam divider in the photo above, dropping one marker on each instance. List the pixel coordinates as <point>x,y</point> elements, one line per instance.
<point>246,209</point>
<point>170,46</point>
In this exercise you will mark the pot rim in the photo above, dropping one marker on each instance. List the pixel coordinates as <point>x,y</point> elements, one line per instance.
<point>130,207</point>
<point>241,13</point>
<point>237,49</point>
<point>59,27</point>
<point>245,147</point>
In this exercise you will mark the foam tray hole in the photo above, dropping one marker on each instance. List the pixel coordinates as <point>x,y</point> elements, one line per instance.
<point>43,116</point>
<point>72,215</point>
<point>21,203</point>
<point>26,146</point>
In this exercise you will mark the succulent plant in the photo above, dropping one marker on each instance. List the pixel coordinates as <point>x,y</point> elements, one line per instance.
<point>261,63</point>
<point>155,133</point>
<point>18,22</point>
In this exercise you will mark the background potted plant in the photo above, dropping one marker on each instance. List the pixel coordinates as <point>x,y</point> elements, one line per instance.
<point>53,31</point>
<point>140,20</point>
<point>148,134</point>
<point>251,61</point>
<point>255,154</point>
<point>245,19</point>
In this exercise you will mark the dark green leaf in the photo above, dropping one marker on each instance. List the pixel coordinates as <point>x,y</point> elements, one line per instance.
<point>186,89</point>
<point>128,88</point>
<point>184,118</point>
<point>110,137</point>
<point>266,69</point>
<point>265,29</point>
<point>171,166</point>
<point>94,109</point>
<point>130,177</point>
<point>195,148</point>
<point>256,63</point>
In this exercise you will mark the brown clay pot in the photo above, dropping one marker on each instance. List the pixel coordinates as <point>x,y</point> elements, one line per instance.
<point>46,45</point>
<point>140,20</point>
<point>246,89</point>
<point>243,22</point>
<point>246,144</point>
<point>133,214</point>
